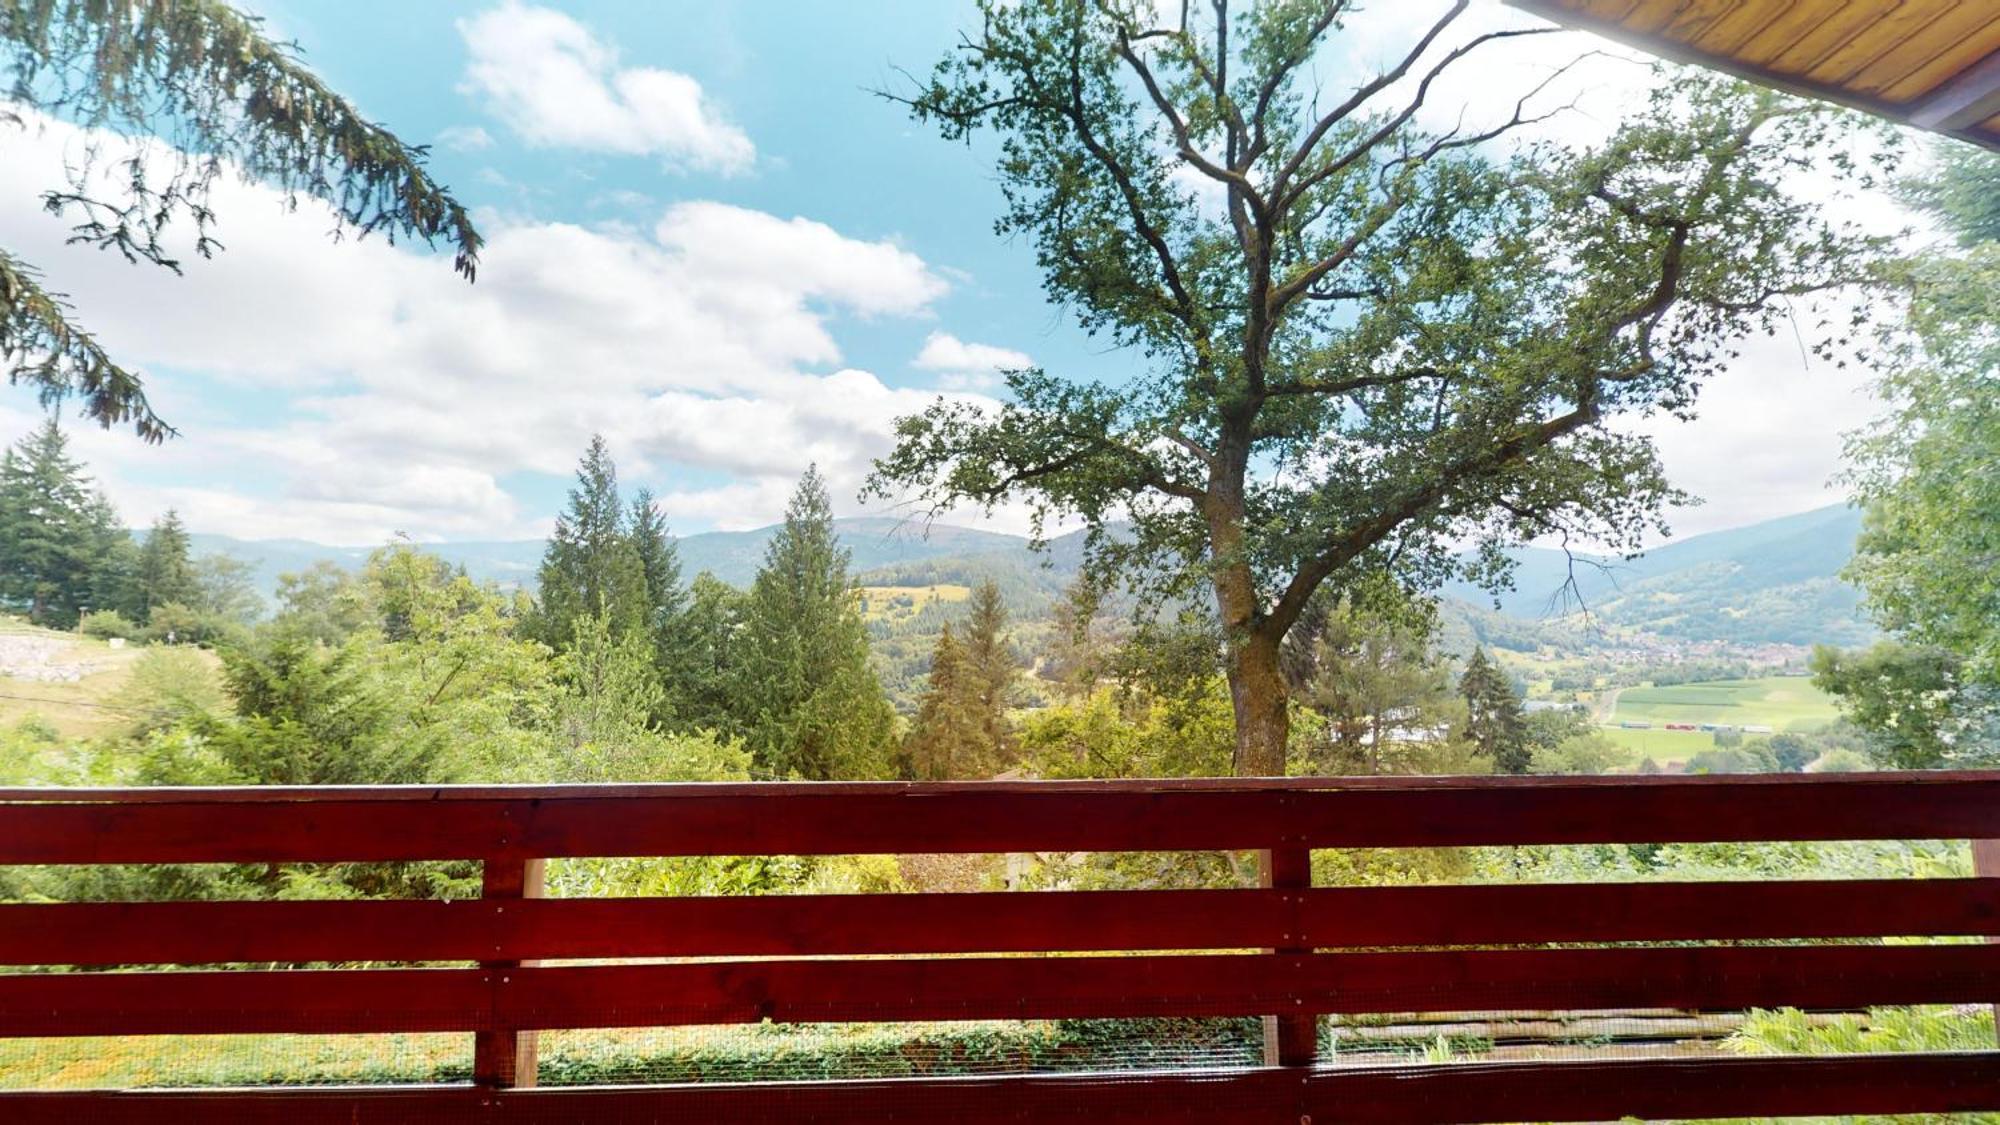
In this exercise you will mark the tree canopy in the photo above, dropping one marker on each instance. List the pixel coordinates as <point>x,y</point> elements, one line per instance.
<point>225,99</point>
<point>1365,343</point>
<point>1928,557</point>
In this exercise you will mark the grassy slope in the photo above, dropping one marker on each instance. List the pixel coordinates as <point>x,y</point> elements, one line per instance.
<point>83,709</point>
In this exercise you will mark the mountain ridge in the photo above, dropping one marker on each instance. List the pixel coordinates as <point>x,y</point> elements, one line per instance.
<point>1772,581</point>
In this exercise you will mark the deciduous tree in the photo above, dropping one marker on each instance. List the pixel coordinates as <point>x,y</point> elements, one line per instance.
<point>1362,343</point>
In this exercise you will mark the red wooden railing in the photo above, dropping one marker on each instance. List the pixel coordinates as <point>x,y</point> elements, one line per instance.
<point>877,957</point>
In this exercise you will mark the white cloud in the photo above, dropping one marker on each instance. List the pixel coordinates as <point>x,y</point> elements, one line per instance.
<point>1767,440</point>
<point>352,389</point>
<point>964,366</point>
<point>465,138</point>
<point>557,85</point>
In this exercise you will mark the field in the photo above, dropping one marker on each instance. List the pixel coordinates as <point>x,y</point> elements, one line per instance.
<point>1774,701</point>
<point>1778,702</point>
<point>892,603</point>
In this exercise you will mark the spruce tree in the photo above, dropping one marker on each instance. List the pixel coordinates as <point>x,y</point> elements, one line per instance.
<point>165,572</point>
<point>590,567</point>
<point>1494,720</point>
<point>813,706</point>
<point>950,738</point>
<point>666,608</point>
<point>659,563</point>
<point>992,668</point>
<point>59,537</point>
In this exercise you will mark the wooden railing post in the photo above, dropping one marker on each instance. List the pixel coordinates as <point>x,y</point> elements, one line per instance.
<point>1986,865</point>
<point>505,1056</point>
<point>1290,1038</point>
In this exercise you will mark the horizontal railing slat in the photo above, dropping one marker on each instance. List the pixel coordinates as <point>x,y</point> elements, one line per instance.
<point>999,922</point>
<point>303,826</point>
<point>1438,1094</point>
<point>374,1000</point>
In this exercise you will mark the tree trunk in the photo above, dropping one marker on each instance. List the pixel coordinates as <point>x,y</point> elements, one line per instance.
<point>1257,692</point>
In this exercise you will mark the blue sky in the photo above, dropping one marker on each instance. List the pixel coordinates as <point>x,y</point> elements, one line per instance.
<point>710,240</point>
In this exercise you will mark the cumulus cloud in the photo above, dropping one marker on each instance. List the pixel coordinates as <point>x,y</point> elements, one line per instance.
<point>557,85</point>
<point>345,390</point>
<point>963,366</point>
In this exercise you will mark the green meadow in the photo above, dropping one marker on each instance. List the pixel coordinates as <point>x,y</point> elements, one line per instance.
<point>1777,702</point>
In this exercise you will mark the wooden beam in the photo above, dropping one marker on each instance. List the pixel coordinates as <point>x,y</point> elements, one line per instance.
<point>862,818</point>
<point>505,1056</point>
<point>971,988</point>
<point>1290,1038</point>
<point>1302,918</point>
<point>1407,1095</point>
<point>1966,100</point>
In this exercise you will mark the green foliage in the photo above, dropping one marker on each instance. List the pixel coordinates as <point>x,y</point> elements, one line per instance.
<point>948,739</point>
<point>1369,669</point>
<point>1788,1031</point>
<point>1584,752</point>
<point>706,640</point>
<point>1924,473</point>
<point>1132,734</point>
<point>1842,761</point>
<point>962,727</point>
<point>105,624</point>
<point>1914,702</point>
<point>1792,751</point>
<point>1739,757</point>
<point>1924,470</point>
<point>324,602</point>
<point>1494,722</point>
<point>166,568</point>
<point>60,542</point>
<point>812,706</point>
<point>593,564</point>
<point>1381,343</point>
<point>203,78</point>
<point>1962,191</point>
<point>169,687</point>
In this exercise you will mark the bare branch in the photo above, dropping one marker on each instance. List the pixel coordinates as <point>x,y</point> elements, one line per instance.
<point>1340,112</point>
<point>1282,196</point>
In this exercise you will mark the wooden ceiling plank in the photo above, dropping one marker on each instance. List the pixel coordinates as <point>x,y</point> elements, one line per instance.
<point>1728,34</point>
<point>1699,17</point>
<point>1652,17</point>
<point>1959,25</point>
<point>1908,22</point>
<point>1776,39</point>
<point>1854,22</point>
<point>1960,54</point>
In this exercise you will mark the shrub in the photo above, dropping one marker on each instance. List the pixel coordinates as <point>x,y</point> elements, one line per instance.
<point>106,624</point>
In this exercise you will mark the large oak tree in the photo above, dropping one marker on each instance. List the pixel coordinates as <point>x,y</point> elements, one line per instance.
<point>1365,343</point>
